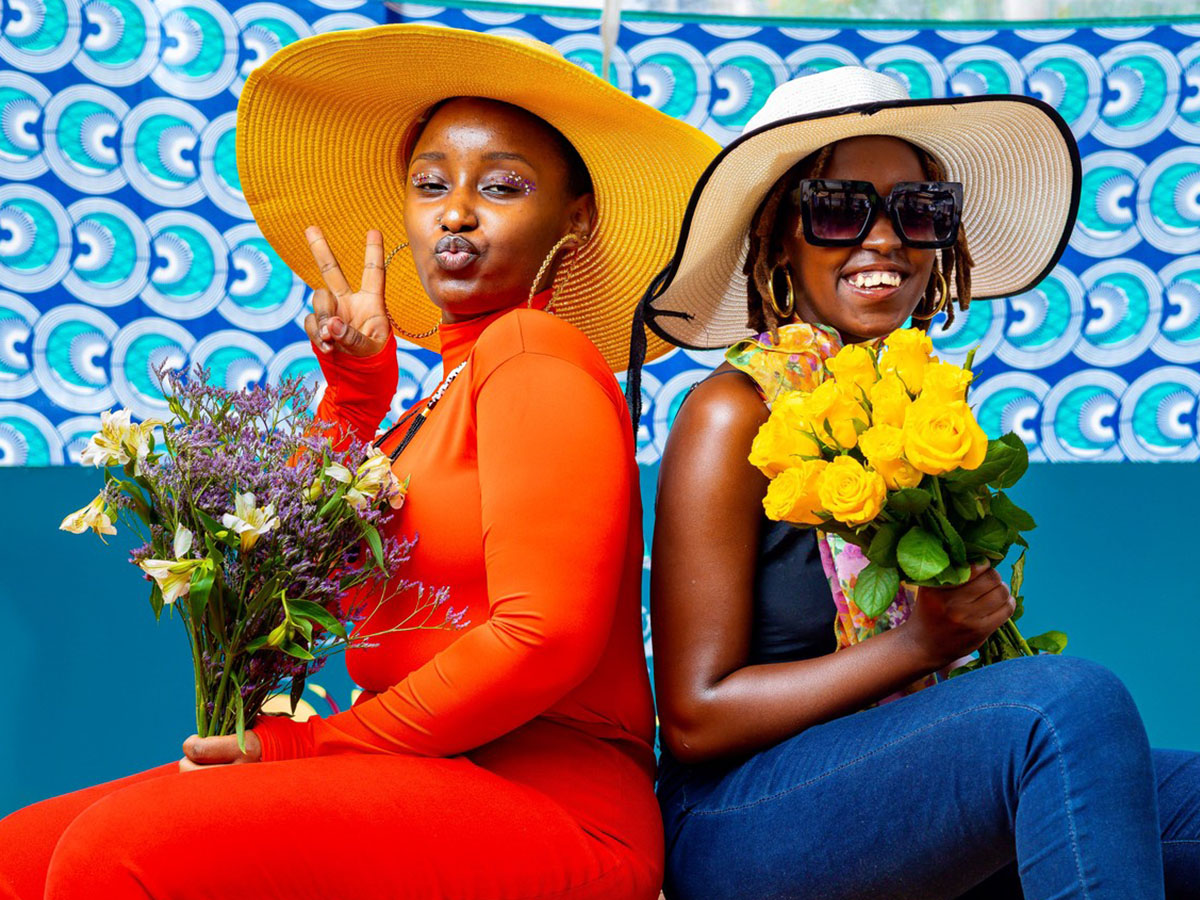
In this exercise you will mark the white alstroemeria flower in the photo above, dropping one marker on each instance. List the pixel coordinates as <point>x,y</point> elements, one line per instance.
<point>138,443</point>
<point>373,475</point>
<point>182,543</point>
<point>248,521</point>
<point>107,446</point>
<point>338,472</point>
<point>94,516</point>
<point>174,576</point>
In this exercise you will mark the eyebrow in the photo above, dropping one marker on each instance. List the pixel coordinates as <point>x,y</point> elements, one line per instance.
<point>432,155</point>
<point>505,154</point>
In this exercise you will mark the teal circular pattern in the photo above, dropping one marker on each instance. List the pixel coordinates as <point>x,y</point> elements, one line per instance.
<point>264,294</point>
<point>1012,401</point>
<point>35,239</point>
<point>190,266</point>
<point>40,35</point>
<point>27,438</point>
<point>1124,309</point>
<point>1169,201</point>
<point>22,101</point>
<point>80,132</point>
<point>1080,417</point>
<point>17,318</point>
<point>1043,325</point>
<point>201,57</point>
<point>71,353</point>
<point>111,259</point>
<point>160,151</point>
<point>921,73</point>
<point>218,166</point>
<point>123,41</point>
<point>981,69</point>
<point>234,360</point>
<point>1145,79</point>
<point>1179,337</point>
<point>1069,79</point>
<point>1159,416</point>
<point>264,28</point>
<point>1107,222</point>
<point>139,351</point>
<point>673,77</point>
<point>743,75</point>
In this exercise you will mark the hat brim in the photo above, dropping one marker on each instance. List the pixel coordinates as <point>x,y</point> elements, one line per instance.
<point>1015,156</point>
<point>320,128</point>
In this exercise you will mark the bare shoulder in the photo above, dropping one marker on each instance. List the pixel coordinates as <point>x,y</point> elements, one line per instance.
<point>725,408</point>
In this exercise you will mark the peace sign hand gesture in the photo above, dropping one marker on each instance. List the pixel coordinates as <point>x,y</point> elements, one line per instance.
<point>353,322</point>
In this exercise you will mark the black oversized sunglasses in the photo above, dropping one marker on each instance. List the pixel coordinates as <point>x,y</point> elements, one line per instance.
<point>925,214</point>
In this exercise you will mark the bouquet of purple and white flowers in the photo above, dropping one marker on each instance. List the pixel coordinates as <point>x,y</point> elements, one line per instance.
<point>261,530</point>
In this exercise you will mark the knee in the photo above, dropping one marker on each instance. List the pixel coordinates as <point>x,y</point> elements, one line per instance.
<point>92,857</point>
<point>1077,699</point>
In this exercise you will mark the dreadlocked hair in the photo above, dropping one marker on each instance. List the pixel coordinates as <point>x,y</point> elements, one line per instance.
<point>765,253</point>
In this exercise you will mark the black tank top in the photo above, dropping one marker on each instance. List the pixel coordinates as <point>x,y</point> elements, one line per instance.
<point>794,610</point>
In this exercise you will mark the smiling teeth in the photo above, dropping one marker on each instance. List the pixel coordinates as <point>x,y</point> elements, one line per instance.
<point>875,279</point>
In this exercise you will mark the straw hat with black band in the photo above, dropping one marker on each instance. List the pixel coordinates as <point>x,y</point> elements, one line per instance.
<point>1015,156</point>
<point>323,124</point>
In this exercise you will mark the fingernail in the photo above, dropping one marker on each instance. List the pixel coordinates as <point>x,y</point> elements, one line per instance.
<point>338,328</point>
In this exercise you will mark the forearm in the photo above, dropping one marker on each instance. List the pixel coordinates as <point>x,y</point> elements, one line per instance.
<point>358,390</point>
<point>757,706</point>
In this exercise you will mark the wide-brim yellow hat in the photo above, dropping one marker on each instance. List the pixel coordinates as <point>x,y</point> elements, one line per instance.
<point>319,141</point>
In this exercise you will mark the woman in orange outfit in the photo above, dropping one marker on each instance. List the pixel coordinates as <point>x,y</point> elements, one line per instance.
<point>511,758</point>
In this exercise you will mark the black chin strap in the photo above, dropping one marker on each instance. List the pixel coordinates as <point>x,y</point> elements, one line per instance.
<point>637,346</point>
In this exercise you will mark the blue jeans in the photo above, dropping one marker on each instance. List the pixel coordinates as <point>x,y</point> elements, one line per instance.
<point>1043,762</point>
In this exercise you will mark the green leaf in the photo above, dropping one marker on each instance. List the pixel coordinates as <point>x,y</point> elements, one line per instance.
<point>333,501</point>
<point>371,533</point>
<point>217,530</point>
<point>257,644</point>
<point>297,692</point>
<point>967,667</point>
<point>1018,575</point>
<point>882,549</point>
<point>1010,514</point>
<point>200,589</point>
<point>921,555</point>
<point>962,500</point>
<point>315,612</point>
<point>955,547</point>
<point>1000,456</point>
<point>241,713</point>
<point>876,589</point>
<point>988,534</point>
<point>909,502</point>
<point>1016,468</point>
<point>1050,642</point>
<point>951,576</point>
<point>156,601</point>
<point>291,648</point>
<point>140,505</point>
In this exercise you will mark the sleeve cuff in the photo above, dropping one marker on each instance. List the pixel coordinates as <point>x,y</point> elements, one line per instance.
<point>283,738</point>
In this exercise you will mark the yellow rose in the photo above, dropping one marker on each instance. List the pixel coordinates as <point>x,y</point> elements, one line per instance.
<point>780,444</point>
<point>850,493</point>
<point>830,404</point>
<point>907,352</point>
<point>940,437</point>
<point>853,368</point>
<point>792,495</point>
<point>883,446</point>
<point>889,401</point>
<point>946,382</point>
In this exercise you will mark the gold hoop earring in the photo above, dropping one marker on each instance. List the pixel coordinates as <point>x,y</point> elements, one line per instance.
<point>396,328</point>
<point>943,298</point>
<point>546,263</point>
<point>790,306</point>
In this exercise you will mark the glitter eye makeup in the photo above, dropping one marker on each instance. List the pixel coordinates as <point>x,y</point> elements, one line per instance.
<point>422,178</point>
<point>513,180</point>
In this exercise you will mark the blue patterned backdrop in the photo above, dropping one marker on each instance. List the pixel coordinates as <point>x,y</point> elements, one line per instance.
<point>125,241</point>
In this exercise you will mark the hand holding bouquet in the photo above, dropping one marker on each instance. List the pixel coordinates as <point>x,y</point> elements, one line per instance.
<point>259,531</point>
<point>886,454</point>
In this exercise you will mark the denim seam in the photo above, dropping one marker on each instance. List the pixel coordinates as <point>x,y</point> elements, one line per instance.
<point>1074,835</point>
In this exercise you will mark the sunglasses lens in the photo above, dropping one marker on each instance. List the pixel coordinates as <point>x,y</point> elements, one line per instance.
<point>838,214</point>
<point>927,216</point>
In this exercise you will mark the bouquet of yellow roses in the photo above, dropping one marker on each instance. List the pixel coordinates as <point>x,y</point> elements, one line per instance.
<point>886,454</point>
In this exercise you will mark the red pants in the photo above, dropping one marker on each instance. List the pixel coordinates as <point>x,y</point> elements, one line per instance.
<point>351,826</point>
